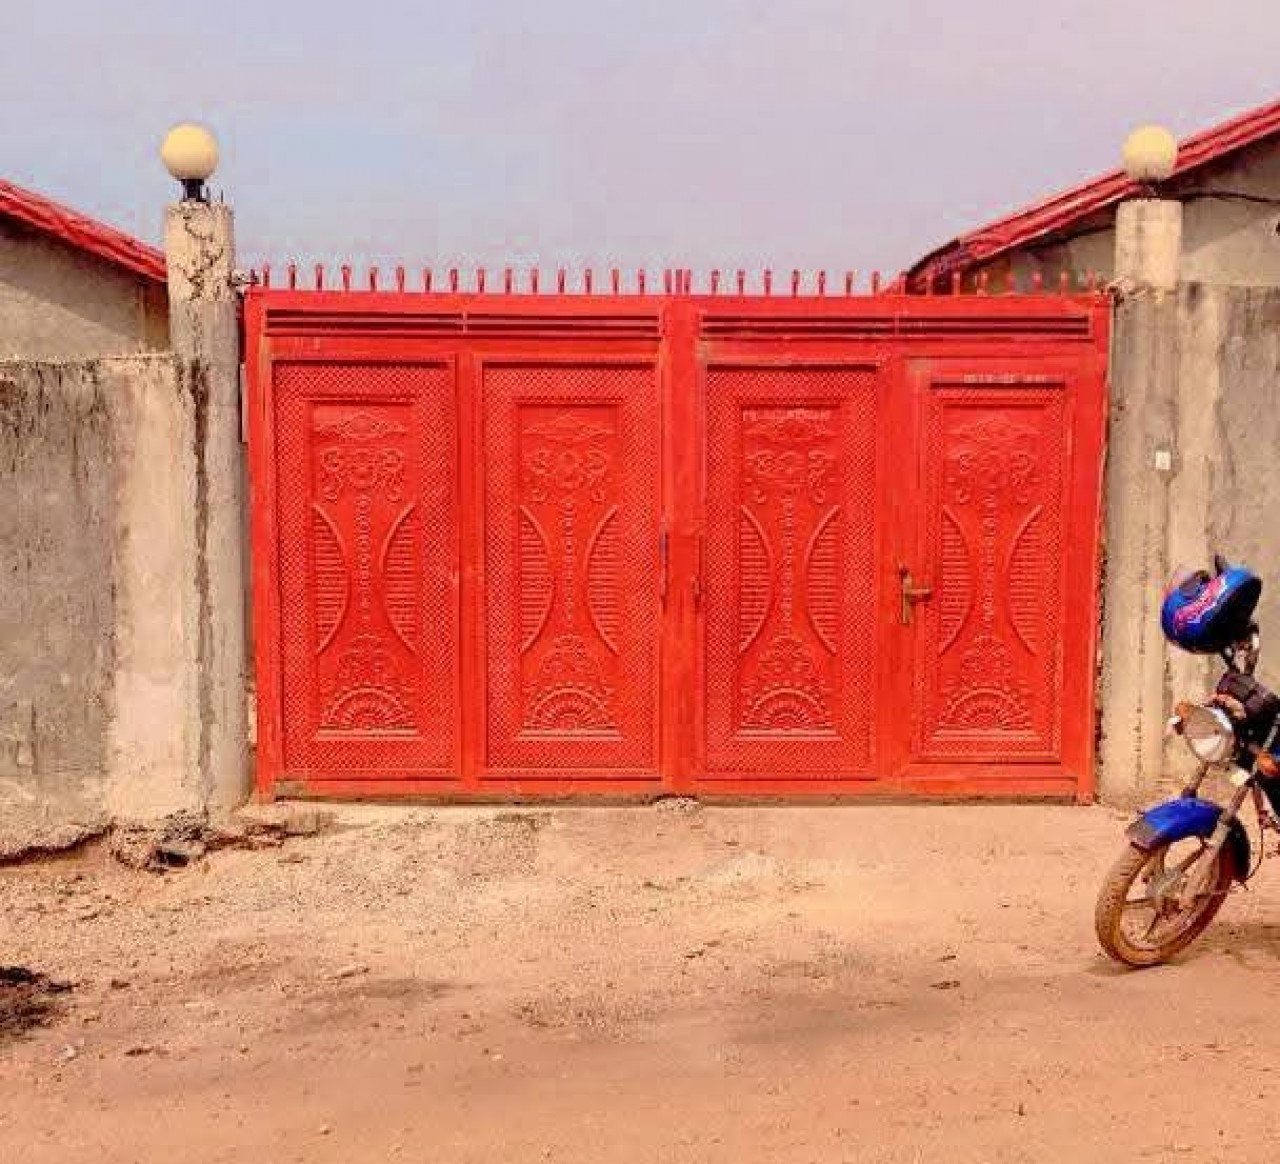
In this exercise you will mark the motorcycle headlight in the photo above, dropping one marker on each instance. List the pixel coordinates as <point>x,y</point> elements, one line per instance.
<point>1209,734</point>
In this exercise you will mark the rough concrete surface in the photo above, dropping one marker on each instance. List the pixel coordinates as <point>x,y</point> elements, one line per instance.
<point>1148,241</point>
<point>205,324</point>
<point>58,303</point>
<point>98,717</point>
<point>1190,473</point>
<point>884,985</point>
<point>58,456</point>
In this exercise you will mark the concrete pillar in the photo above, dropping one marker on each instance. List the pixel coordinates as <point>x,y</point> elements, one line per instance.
<point>1142,459</point>
<point>1148,243</point>
<point>204,331</point>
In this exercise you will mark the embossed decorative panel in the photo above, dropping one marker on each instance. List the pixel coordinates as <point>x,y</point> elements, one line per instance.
<point>368,552</point>
<point>571,532</point>
<point>987,673</point>
<point>791,573</point>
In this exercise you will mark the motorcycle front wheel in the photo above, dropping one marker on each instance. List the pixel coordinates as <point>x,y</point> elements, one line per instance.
<point>1141,918</point>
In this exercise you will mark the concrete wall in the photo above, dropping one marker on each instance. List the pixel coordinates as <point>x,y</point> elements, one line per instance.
<point>99,719</point>
<point>57,303</point>
<point>1226,241</point>
<point>1191,470</point>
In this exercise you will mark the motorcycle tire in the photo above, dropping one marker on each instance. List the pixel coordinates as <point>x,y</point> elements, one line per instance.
<point>1109,914</point>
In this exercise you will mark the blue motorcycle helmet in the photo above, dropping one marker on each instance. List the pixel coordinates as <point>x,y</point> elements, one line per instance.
<point>1208,613</point>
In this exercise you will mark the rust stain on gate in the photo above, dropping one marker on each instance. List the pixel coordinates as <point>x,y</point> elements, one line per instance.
<point>516,542</point>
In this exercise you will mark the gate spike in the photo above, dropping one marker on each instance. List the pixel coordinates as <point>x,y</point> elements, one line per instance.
<point>956,287</point>
<point>666,281</point>
<point>373,278</point>
<point>640,281</point>
<point>1037,282</point>
<point>266,274</point>
<point>615,281</point>
<point>768,281</point>
<point>292,270</point>
<point>533,280</point>
<point>426,279</point>
<point>1091,282</point>
<point>400,279</point>
<point>319,276</point>
<point>560,280</point>
<point>795,283</point>
<point>848,282</point>
<point>875,282</point>
<point>742,282</point>
<point>1064,281</point>
<point>982,282</point>
<point>588,278</point>
<point>1011,283</point>
<point>453,280</point>
<point>715,282</point>
<point>822,282</point>
<point>480,280</point>
<point>346,276</point>
<point>508,280</point>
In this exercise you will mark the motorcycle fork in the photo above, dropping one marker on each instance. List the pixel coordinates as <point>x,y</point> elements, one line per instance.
<point>1193,785</point>
<point>1198,880</point>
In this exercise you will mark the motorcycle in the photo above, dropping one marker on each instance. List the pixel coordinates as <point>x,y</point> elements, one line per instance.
<point>1184,856</point>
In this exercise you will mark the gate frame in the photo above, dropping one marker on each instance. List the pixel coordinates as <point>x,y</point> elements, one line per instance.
<point>681,358</point>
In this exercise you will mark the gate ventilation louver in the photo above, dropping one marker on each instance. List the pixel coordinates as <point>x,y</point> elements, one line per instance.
<point>923,327</point>
<point>412,325</point>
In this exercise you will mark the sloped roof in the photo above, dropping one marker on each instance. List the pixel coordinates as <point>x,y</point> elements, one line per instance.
<point>1063,210</point>
<point>95,238</point>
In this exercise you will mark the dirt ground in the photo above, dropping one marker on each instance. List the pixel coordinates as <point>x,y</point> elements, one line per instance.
<point>667,983</point>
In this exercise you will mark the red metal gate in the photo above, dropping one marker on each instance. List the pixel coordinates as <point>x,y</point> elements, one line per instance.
<point>519,545</point>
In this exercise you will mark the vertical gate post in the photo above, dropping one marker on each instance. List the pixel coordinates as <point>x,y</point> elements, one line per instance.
<point>204,332</point>
<point>1141,463</point>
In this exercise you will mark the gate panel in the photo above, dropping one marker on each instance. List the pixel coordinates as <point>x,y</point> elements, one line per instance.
<point>532,543</point>
<point>988,658</point>
<point>368,550</point>
<point>571,568</point>
<point>790,666</point>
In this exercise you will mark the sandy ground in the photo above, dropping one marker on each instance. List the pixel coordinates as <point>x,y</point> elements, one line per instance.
<point>654,984</point>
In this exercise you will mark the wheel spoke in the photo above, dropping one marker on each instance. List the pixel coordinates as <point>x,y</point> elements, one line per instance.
<point>1185,864</point>
<point>1151,929</point>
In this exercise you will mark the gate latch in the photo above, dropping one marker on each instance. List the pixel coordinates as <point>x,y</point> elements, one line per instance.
<point>911,594</point>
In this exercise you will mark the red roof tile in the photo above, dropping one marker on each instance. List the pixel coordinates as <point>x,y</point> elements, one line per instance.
<point>1062,210</point>
<point>95,238</point>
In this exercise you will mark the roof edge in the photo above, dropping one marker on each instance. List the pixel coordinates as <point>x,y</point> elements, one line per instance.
<point>1061,210</point>
<point>82,233</point>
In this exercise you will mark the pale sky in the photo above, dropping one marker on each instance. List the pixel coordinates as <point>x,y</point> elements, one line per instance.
<point>810,133</point>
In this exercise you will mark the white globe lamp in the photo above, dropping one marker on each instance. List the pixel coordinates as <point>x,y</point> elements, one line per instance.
<point>1150,154</point>
<point>190,153</point>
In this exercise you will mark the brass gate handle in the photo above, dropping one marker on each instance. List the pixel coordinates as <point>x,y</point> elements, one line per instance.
<point>911,594</point>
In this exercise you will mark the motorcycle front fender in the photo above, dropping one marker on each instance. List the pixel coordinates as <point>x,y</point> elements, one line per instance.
<point>1189,816</point>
